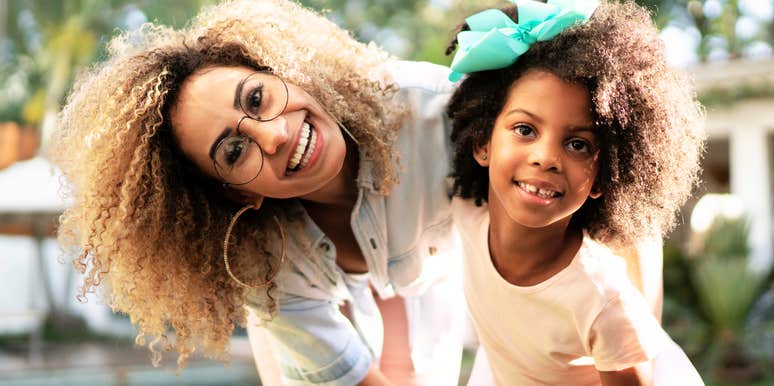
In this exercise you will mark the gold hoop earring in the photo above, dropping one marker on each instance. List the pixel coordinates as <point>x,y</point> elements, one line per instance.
<point>225,251</point>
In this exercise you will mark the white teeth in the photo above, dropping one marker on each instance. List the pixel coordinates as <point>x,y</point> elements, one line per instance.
<point>303,140</point>
<point>313,143</point>
<point>545,193</point>
<point>308,142</point>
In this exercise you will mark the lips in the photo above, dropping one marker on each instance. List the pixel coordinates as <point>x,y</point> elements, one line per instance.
<point>540,190</point>
<point>307,142</point>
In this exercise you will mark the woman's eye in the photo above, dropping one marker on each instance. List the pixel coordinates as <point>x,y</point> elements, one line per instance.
<point>232,152</point>
<point>524,130</point>
<point>254,99</point>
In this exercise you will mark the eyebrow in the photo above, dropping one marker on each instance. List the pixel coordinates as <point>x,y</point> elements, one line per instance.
<point>238,93</point>
<point>225,133</point>
<point>525,112</point>
<point>539,120</point>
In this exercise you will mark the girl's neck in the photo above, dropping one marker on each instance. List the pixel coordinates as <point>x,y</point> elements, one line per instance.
<point>341,191</point>
<point>527,256</point>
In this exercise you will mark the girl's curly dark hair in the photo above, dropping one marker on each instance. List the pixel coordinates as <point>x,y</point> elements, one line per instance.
<point>647,120</point>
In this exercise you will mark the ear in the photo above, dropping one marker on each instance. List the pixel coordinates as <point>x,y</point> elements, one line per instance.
<point>482,155</point>
<point>244,197</point>
<point>596,192</point>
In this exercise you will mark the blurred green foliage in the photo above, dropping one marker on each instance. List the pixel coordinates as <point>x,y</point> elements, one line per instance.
<point>43,43</point>
<point>396,24</point>
<point>726,239</point>
<point>683,318</point>
<point>727,289</point>
<point>709,295</point>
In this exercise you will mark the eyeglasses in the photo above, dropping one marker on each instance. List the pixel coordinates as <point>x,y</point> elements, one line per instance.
<point>238,158</point>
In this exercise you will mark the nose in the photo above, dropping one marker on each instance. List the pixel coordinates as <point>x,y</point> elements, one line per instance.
<point>270,135</point>
<point>546,156</point>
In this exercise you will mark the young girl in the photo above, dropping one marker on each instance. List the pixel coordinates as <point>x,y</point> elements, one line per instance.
<point>576,133</point>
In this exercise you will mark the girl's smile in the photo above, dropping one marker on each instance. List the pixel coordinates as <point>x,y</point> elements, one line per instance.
<point>542,193</point>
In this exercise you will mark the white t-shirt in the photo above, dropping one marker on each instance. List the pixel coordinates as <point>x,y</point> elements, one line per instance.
<point>586,318</point>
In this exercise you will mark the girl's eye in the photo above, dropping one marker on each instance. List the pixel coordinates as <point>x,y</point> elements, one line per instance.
<point>524,130</point>
<point>579,146</point>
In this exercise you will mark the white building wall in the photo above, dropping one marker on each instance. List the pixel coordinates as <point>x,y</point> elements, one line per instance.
<point>747,125</point>
<point>750,181</point>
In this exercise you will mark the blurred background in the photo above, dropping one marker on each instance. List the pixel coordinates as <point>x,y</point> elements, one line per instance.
<point>719,301</point>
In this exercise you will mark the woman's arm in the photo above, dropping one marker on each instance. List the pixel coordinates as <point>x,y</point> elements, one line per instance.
<point>268,369</point>
<point>309,342</point>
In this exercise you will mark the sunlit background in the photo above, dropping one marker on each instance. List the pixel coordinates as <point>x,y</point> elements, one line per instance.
<point>719,301</point>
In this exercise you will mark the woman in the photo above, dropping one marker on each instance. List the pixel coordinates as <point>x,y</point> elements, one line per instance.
<point>336,155</point>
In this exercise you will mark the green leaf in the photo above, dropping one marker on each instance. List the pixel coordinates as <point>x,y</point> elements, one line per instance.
<point>727,289</point>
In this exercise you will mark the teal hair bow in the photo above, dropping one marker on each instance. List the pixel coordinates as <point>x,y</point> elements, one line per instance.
<point>496,41</point>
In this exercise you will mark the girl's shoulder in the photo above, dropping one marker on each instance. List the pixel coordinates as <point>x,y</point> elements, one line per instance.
<point>604,270</point>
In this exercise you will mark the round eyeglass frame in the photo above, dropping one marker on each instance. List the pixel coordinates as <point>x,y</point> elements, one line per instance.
<point>247,137</point>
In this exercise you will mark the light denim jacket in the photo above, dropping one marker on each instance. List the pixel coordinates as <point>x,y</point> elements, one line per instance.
<point>406,241</point>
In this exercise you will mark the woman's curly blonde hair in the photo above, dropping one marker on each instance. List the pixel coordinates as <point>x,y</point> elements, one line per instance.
<point>647,120</point>
<point>146,225</point>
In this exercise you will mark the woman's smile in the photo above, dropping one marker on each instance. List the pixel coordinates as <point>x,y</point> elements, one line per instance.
<point>302,147</point>
<point>309,145</point>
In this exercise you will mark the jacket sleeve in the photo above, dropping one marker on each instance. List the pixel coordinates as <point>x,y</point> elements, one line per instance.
<point>316,344</point>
